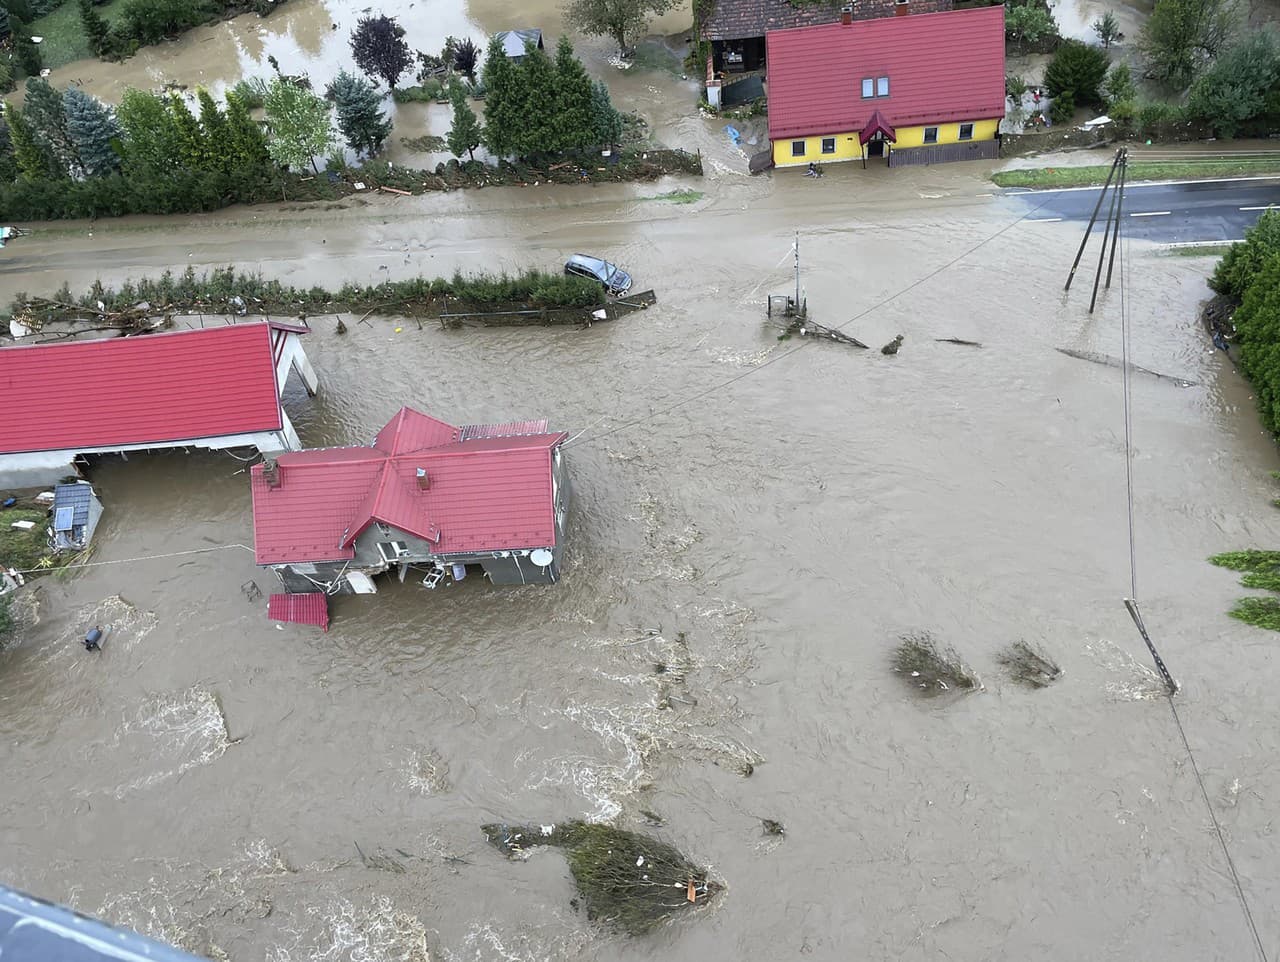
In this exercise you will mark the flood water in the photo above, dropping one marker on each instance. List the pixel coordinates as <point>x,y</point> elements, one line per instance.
<point>788,509</point>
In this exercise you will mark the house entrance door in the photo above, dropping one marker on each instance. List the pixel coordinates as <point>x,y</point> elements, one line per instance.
<point>875,146</point>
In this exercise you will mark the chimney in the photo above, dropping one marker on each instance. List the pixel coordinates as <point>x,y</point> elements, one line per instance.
<point>271,472</point>
<point>901,8</point>
<point>424,482</point>
<point>846,14</point>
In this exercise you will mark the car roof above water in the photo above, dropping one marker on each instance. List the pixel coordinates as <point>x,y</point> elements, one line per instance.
<point>587,261</point>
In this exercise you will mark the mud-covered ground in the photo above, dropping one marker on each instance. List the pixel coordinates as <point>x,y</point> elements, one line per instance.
<point>791,507</point>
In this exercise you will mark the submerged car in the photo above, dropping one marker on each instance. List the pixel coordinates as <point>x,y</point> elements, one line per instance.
<point>615,280</point>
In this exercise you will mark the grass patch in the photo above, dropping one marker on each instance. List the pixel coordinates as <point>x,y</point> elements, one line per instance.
<point>1262,571</point>
<point>1260,612</point>
<point>933,670</point>
<point>1138,170</point>
<point>1207,249</point>
<point>21,549</point>
<point>64,40</point>
<point>1249,560</point>
<point>1029,666</point>
<point>679,197</point>
<point>627,880</point>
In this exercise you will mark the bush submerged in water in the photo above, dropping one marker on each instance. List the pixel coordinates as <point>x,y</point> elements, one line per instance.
<point>626,879</point>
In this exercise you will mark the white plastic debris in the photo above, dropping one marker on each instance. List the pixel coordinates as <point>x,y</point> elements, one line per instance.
<point>548,829</point>
<point>24,525</point>
<point>358,185</point>
<point>639,861</point>
<point>45,497</point>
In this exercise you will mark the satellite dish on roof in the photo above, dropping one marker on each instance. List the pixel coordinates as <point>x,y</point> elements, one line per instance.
<point>541,557</point>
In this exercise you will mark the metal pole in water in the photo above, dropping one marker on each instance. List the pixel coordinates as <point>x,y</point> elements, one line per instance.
<point>1089,230</point>
<point>796,248</point>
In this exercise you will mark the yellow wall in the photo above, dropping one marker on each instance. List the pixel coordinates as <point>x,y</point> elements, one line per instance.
<point>848,148</point>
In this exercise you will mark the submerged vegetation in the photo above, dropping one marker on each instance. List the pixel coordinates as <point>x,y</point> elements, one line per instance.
<point>1029,665</point>
<point>925,665</point>
<point>1261,570</point>
<point>627,880</point>
<point>228,291</point>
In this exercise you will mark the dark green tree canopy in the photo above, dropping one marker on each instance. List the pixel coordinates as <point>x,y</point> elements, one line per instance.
<point>93,131</point>
<point>1182,36</point>
<point>622,20</point>
<point>465,134</point>
<point>360,118</point>
<point>379,49</point>
<point>1242,84</point>
<point>1077,69</point>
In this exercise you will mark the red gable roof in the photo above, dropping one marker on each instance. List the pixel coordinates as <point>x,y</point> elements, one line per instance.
<point>485,493</point>
<point>942,67</point>
<point>174,386</point>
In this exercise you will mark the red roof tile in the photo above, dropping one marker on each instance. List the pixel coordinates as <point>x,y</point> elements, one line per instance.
<point>308,608</point>
<point>487,494</point>
<point>942,67</point>
<point>174,386</point>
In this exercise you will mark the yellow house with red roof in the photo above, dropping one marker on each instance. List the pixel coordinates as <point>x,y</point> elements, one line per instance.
<point>916,89</point>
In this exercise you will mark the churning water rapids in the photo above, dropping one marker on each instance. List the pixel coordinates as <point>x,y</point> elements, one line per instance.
<point>762,522</point>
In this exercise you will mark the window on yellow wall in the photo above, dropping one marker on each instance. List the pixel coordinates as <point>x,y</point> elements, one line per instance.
<point>966,131</point>
<point>931,135</point>
<point>797,148</point>
<point>868,88</point>
<point>828,145</point>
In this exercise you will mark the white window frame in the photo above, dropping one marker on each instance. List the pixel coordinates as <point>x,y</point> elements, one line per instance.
<point>868,88</point>
<point>882,86</point>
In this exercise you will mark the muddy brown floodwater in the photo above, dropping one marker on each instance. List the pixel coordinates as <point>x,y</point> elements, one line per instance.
<point>790,511</point>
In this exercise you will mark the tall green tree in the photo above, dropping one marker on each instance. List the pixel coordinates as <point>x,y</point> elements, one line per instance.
<point>96,29</point>
<point>1077,69</point>
<point>213,126</point>
<point>1243,84</point>
<point>34,159</point>
<point>150,141</point>
<point>193,148</point>
<point>502,102</point>
<point>8,161</point>
<point>1244,259</point>
<point>623,20</point>
<point>379,48</point>
<point>1108,30</point>
<point>536,133</point>
<point>1029,24</point>
<point>298,122</point>
<point>606,122</point>
<point>247,142</point>
<point>573,121</point>
<point>93,130</point>
<point>44,111</point>
<point>465,134</point>
<point>1182,36</point>
<point>359,108</point>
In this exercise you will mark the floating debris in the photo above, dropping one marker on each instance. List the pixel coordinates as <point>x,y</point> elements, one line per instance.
<point>772,828</point>
<point>958,340</point>
<point>1029,666</point>
<point>892,347</point>
<point>626,879</point>
<point>1110,361</point>
<point>931,669</point>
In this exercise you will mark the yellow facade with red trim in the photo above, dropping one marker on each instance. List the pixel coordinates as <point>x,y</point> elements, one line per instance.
<point>846,146</point>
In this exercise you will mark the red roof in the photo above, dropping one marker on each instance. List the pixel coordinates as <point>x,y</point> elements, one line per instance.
<point>942,67</point>
<point>308,608</point>
<point>175,386</point>
<point>488,493</point>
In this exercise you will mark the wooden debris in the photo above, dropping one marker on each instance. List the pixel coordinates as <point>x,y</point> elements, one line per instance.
<point>958,340</point>
<point>396,190</point>
<point>804,327</point>
<point>1110,361</point>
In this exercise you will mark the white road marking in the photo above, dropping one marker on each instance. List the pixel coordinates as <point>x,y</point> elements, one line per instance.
<point>1268,207</point>
<point>1152,213</point>
<point>1043,220</point>
<point>1140,185</point>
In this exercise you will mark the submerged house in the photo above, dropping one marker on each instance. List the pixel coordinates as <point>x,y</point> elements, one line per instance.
<point>514,42</point>
<point>918,89</point>
<point>216,387</point>
<point>76,510</point>
<point>425,495</point>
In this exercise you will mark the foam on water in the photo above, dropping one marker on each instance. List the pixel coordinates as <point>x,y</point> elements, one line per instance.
<point>425,771</point>
<point>485,942</point>
<point>1133,680</point>
<point>182,730</point>
<point>377,931</point>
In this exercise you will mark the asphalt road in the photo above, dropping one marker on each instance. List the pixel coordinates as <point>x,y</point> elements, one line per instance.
<point>1165,213</point>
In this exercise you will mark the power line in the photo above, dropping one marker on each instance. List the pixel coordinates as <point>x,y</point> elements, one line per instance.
<point>125,561</point>
<point>721,385</point>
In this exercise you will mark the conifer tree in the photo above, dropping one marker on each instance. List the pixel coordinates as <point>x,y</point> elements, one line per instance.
<point>606,121</point>
<point>502,102</point>
<point>213,125</point>
<point>247,144</point>
<point>150,140</point>
<point>96,29</point>
<point>536,134</point>
<point>465,134</point>
<point>33,158</point>
<point>92,129</point>
<point>573,120</point>
<point>44,112</point>
<point>360,118</point>
<point>193,149</point>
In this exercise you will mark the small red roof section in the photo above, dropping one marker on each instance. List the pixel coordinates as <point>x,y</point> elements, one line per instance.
<point>942,68</point>
<point>309,608</point>
<point>877,125</point>
<point>177,386</point>
<point>488,488</point>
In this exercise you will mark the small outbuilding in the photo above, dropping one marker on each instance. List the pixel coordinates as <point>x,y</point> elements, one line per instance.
<point>76,510</point>
<point>515,42</point>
